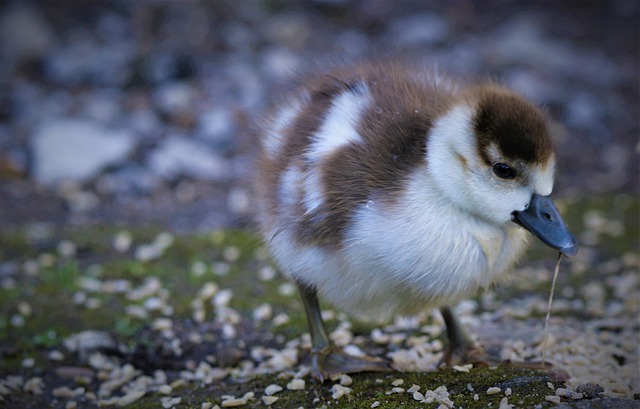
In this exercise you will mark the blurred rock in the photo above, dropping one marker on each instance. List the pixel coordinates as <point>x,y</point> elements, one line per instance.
<point>102,106</point>
<point>174,97</point>
<point>522,40</point>
<point>216,126</point>
<point>280,62</point>
<point>179,156</point>
<point>84,60</point>
<point>76,150</point>
<point>130,180</point>
<point>24,34</point>
<point>145,122</point>
<point>288,29</point>
<point>419,29</point>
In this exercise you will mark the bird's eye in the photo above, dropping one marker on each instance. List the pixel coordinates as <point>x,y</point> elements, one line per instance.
<point>503,171</point>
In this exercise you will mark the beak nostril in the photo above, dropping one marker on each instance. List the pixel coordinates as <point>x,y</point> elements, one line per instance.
<point>547,216</point>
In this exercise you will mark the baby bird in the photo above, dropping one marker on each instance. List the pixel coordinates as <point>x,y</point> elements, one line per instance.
<point>386,188</point>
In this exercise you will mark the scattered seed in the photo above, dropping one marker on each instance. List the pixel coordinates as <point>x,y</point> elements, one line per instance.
<point>296,384</point>
<point>25,309</point>
<point>262,313</point>
<point>161,324</point>
<point>220,268</point>
<point>28,363</point>
<point>339,391</point>
<point>463,368</point>
<point>266,273</point>
<point>493,390</point>
<point>286,289</point>
<point>63,392</point>
<point>504,404</point>
<point>122,241</point>
<point>272,389</point>
<point>375,404</point>
<point>413,388</point>
<point>165,389</point>
<point>169,402</point>
<point>346,380</point>
<point>34,386</point>
<point>280,319</point>
<point>233,402</point>
<point>397,382</point>
<point>269,400</point>
<point>131,397</point>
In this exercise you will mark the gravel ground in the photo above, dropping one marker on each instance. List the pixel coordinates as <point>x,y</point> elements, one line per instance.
<point>137,114</point>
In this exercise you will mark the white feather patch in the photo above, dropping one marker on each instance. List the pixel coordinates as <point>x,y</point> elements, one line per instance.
<point>289,190</point>
<point>543,177</point>
<point>340,124</point>
<point>274,137</point>
<point>313,191</point>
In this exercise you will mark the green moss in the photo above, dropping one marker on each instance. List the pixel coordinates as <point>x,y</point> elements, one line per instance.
<point>369,388</point>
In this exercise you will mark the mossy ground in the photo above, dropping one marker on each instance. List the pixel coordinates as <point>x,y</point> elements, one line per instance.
<point>35,274</point>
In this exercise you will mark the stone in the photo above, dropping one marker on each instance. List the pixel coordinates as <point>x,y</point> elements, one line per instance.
<point>76,150</point>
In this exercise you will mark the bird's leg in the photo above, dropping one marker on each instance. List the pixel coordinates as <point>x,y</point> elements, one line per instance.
<point>464,350</point>
<point>461,349</point>
<point>326,358</point>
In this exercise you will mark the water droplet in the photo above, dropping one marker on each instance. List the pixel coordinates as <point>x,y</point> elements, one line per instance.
<point>378,110</point>
<point>395,157</point>
<point>370,204</point>
<point>417,111</point>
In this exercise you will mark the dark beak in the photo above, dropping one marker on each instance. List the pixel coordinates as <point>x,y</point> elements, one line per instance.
<point>543,219</point>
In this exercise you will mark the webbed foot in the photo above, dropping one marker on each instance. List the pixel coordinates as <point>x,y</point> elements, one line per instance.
<point>332,361</point>
<point>461,349</point>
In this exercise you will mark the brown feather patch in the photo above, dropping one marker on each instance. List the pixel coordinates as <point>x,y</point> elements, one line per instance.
<point>515,125</point>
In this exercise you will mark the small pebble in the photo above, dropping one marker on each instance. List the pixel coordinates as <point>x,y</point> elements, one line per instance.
<point>553,398</point>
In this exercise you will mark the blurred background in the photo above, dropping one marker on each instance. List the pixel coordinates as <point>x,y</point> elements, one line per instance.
<point>137,112</point>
